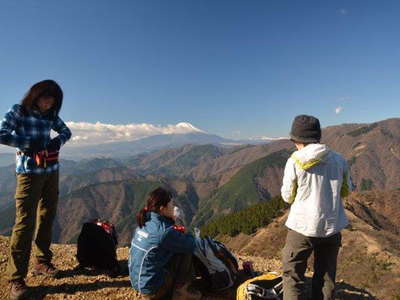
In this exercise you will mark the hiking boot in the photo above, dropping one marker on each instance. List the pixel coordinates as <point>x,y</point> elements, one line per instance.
<point>45,268</point>
<point>18,290</point>
<point>186,292</point>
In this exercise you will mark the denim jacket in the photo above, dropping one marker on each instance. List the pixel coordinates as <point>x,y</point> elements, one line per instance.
<point>152,247</point>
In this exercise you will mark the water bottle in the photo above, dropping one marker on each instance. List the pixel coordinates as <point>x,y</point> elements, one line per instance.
<point>177,212</point>
<point>196,232</point>
<point>178,215</point>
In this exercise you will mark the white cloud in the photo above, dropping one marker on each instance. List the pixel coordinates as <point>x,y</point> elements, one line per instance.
<point>338,110</point>
<point>85,133</point>
<point>236,133</point>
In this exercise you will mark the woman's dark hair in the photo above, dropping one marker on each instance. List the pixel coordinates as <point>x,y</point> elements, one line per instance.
<point>45,88</point>
<point>157,198</point>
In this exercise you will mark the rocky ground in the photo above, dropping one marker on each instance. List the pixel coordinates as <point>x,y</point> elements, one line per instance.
<point>92,285</point>
<point>368,262</point>
<point>89,285</point>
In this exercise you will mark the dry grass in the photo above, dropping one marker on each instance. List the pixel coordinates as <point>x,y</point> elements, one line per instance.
<point>367,268</point>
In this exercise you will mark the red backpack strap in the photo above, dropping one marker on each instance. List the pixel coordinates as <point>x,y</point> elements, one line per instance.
<point>180,228</point>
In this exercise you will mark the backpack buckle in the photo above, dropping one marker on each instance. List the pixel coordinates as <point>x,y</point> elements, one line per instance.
<point>263,293</point>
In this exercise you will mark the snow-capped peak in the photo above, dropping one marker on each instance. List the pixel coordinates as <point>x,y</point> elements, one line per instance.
<point>188,127</point>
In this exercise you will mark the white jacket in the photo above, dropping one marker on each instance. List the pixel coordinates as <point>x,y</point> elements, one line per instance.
<point>315,179</point>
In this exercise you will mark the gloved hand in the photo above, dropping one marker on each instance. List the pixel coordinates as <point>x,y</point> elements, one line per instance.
<point>54,145</point>
<point>36,145</point>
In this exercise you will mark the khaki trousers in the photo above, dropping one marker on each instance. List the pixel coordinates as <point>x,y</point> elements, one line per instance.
<point>296,252</point>
<point>36,200</point>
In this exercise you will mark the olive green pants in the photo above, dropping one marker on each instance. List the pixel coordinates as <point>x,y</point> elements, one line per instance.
<point>296,252</point>
<point>36,200</point>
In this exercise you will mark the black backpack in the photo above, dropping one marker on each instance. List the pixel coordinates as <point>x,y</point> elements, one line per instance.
<point>97,245</point>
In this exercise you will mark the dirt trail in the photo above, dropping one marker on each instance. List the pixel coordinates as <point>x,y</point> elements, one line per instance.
<point>91,285</point>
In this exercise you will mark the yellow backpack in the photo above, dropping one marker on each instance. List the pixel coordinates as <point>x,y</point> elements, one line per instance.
<point>266,286</point>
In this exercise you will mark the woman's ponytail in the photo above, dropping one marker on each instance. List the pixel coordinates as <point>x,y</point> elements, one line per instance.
<point>157,198</point>
<point>141,217</point>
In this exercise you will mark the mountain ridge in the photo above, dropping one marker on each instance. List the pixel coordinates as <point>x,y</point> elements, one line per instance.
<point>204,175</point>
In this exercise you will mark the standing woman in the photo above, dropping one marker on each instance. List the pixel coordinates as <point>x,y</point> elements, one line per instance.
<point>27,127</point>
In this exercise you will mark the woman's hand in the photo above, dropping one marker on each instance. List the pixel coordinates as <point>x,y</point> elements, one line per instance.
<point>36,145</point>
<point>54,145</point>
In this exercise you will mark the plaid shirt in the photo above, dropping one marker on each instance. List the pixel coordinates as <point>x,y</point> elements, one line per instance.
<point>20,130</point>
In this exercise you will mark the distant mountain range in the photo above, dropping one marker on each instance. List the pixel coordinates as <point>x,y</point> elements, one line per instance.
<point>208,180</point>
<point>144,145</point>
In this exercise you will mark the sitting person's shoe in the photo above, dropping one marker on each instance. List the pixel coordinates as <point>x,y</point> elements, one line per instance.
<point>18,290</point>
<point>45,268</point>
<point>186,292</point>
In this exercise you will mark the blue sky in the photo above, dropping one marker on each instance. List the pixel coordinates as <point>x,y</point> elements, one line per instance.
<point>238,69</point>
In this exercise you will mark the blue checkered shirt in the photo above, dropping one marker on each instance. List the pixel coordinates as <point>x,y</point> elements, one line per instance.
<point>19,129</point>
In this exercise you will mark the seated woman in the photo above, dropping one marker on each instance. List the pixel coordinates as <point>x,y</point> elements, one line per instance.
<point>160,260</point>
